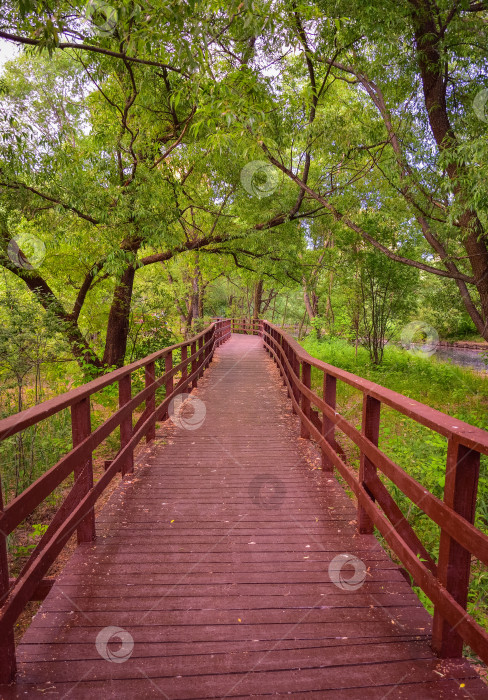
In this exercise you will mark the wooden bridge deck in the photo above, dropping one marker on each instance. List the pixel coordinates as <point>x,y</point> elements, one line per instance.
<point>213,559</point>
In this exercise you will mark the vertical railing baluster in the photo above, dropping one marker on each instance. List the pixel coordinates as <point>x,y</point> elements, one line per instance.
<point>83,473</point>
<point>8,664</point>
<point>296,371</point>
<point>290,371</point>
<point>279,350</point>
<point>206,352</point>
<point>194,364</point>
<point>328,427</point>
<point>370,429</point>
<point>201,342</point>
<point>454,562</point>
<point>125,395</point>
<point>285,355</point>
<point>184,357</point>
<point>305,401</point>
<point>149,377</point>
<point>168,382</point>
<point>211,347</point>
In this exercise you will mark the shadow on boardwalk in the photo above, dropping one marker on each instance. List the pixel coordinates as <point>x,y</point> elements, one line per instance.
<point>211,575</point>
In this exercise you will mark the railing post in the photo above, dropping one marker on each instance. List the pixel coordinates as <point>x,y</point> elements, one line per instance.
<point>283,352</point>
<point>206,352</point>
<point>328,427</point>
<point>194,364</point>
<point>305,401</point>
<point>125,395</point>
<point>290,372</point>
<point>454,562</point>
<point>371,430</point>
<point>280,351</point>
<point>201,342</point>
<point>295,363</point>
<point>8,664</point>
<point>184,356</point>
<point>80,430</point>
<point>168,383</point>
<point>209,350</point>
<point>149,378</point>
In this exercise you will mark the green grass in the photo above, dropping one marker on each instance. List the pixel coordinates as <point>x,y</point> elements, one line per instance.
<point>421,452</point>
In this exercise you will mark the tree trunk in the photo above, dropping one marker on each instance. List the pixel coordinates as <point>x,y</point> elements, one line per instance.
<point>434,84</point>
<point>201,298</point>
<point>258,299</point>
<point>118,320</point>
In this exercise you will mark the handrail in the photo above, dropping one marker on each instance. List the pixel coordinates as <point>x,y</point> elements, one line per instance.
<point>77,510</point>
<point>20,421</point>
<point>445,582</point>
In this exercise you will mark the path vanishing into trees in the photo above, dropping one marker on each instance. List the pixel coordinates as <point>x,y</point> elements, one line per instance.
<point>228,563</point>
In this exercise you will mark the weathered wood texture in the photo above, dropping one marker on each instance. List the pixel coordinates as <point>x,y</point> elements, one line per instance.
<point>213,557</point>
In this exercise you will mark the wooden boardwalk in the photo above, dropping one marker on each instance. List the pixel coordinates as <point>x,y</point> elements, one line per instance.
<point>212,565</point>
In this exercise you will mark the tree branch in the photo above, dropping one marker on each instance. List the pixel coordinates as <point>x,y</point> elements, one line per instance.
<point>95,49</point>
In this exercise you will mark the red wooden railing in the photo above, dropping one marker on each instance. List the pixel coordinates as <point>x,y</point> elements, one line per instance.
<point>77,510</point>
<point>445,582</point>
